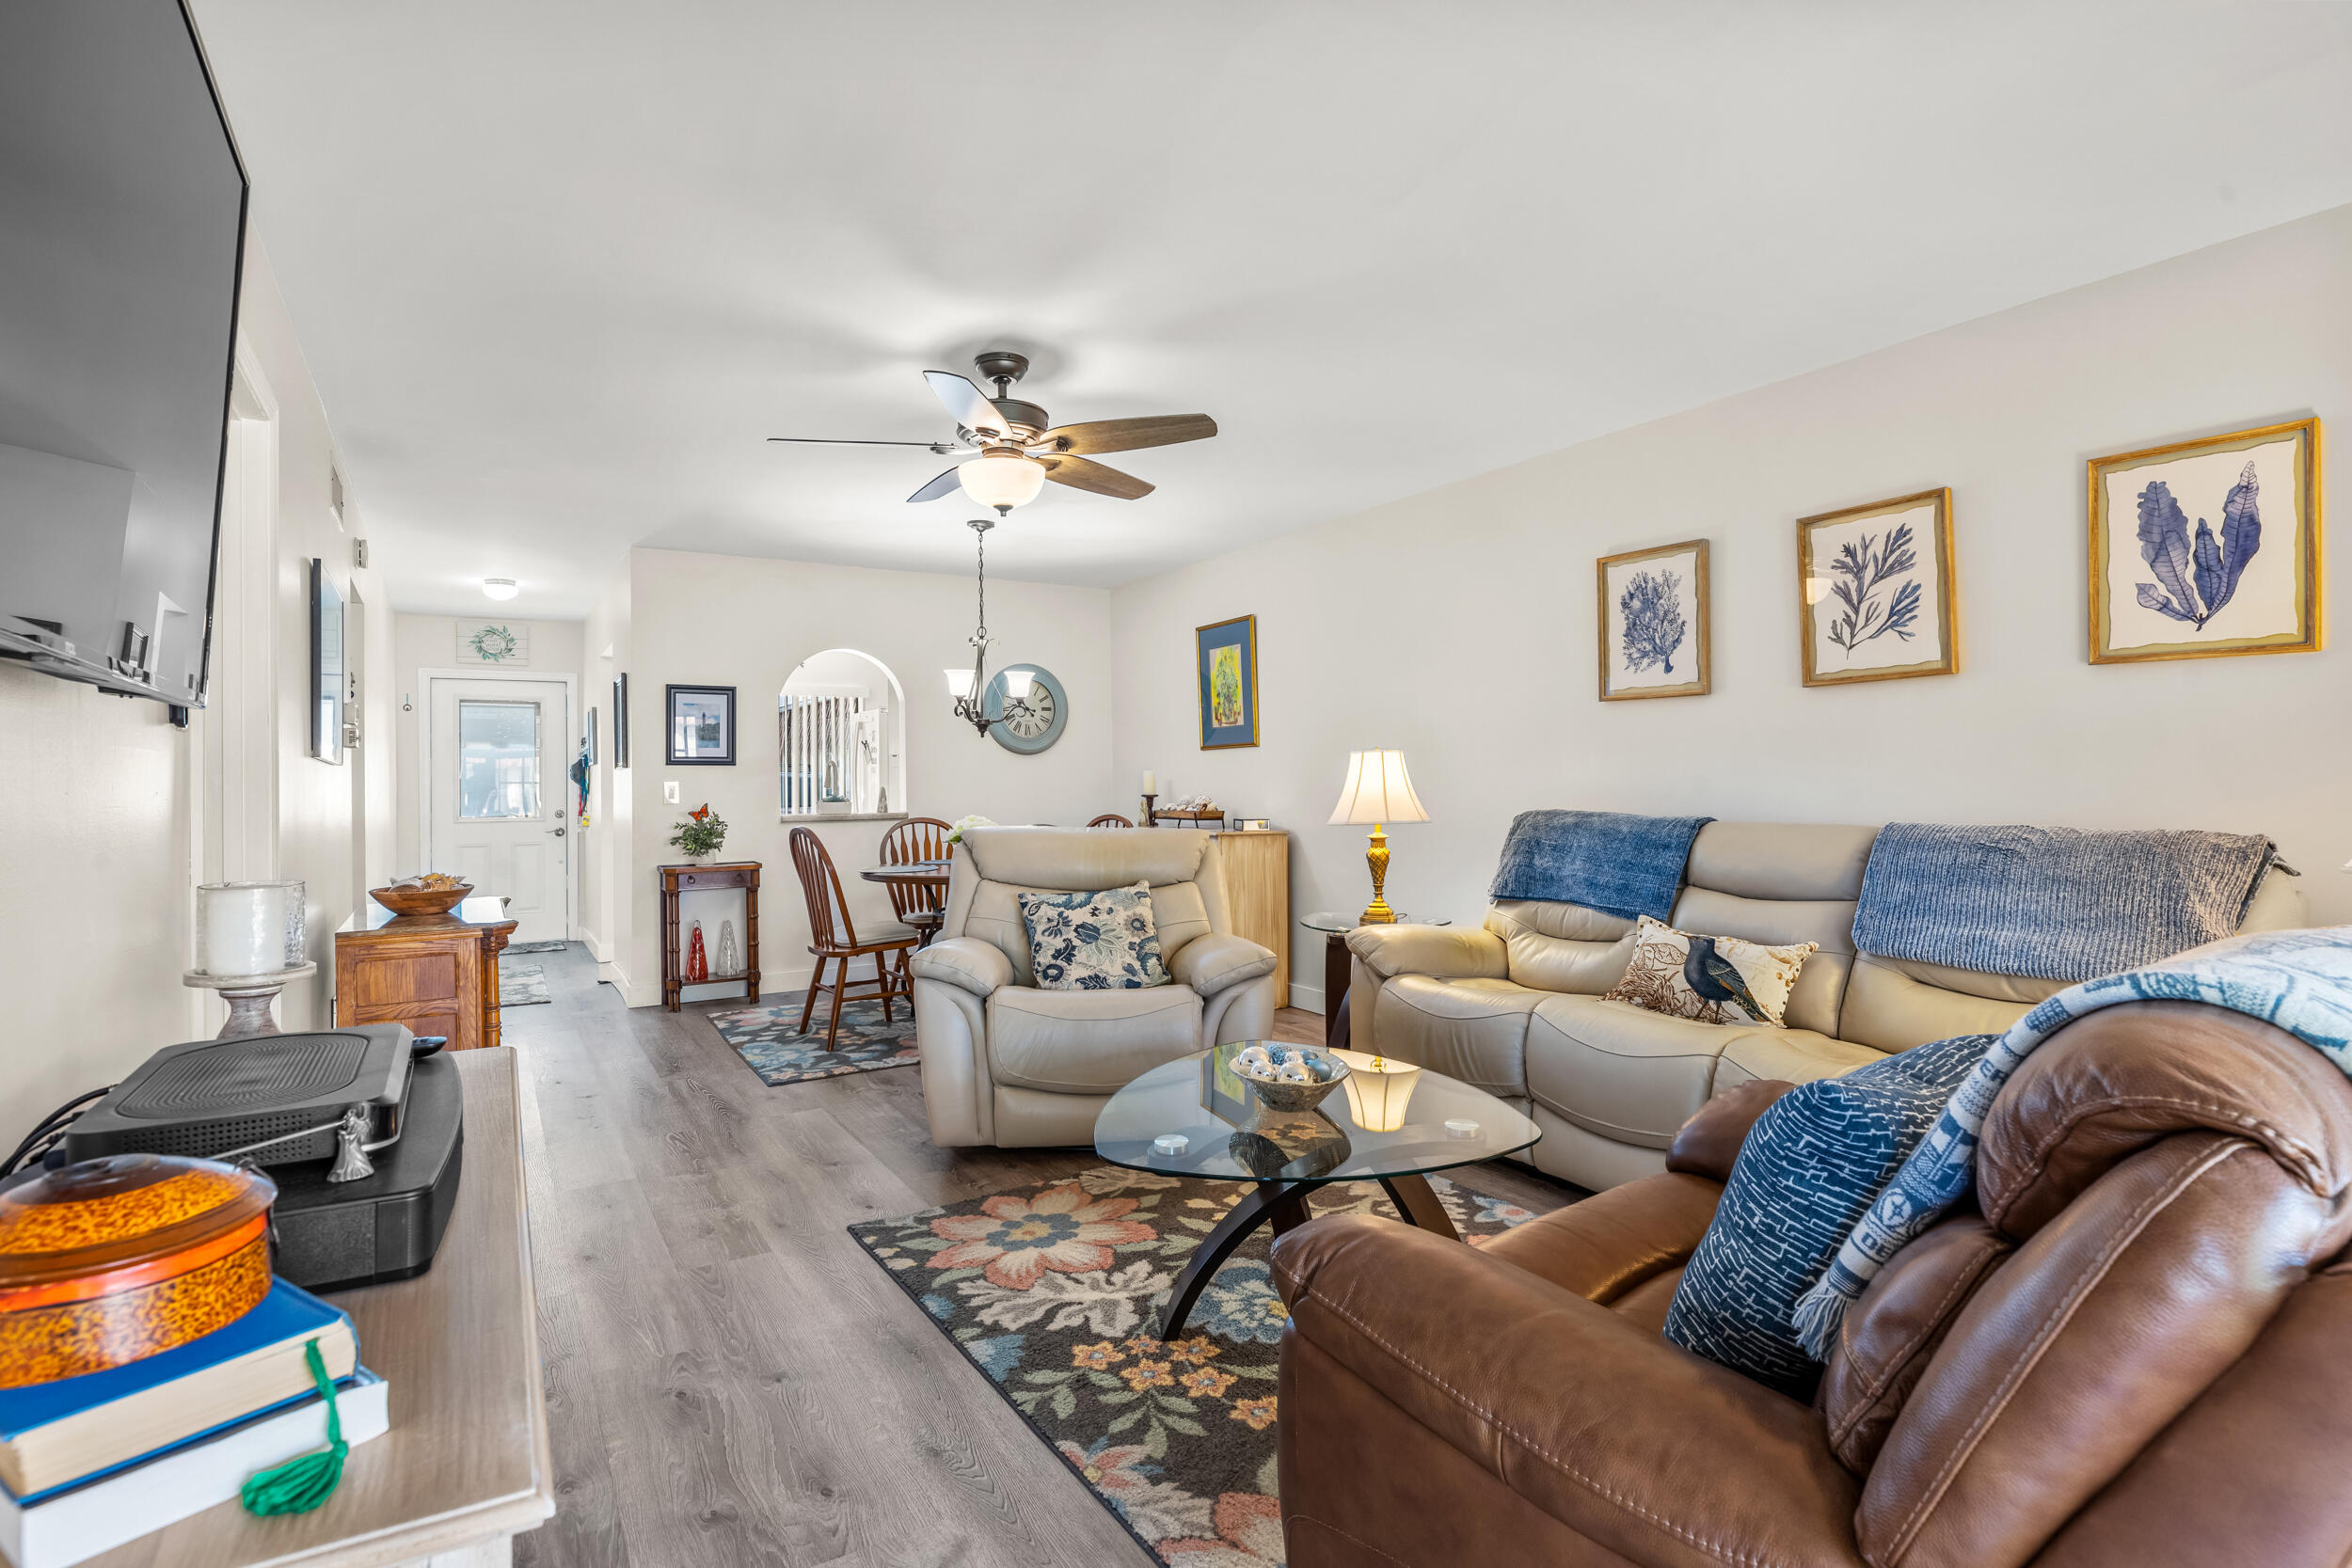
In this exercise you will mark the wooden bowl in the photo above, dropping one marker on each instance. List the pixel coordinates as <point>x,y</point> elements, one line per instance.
<point>421,900</point>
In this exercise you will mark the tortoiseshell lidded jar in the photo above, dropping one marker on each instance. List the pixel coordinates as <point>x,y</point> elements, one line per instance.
<point>107,1261</point>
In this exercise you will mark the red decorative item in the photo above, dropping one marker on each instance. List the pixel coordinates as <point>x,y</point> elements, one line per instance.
<point>697,962</point>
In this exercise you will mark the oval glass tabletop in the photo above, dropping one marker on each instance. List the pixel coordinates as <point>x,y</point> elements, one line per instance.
<point>1230,1136</point>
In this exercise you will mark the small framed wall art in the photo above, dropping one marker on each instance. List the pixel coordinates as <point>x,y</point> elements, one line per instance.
<point>1653,622</point>
<point>493,643</point>
<point>1876,599</point>
<point>1228,652</point>
<point>701,724</point>
<point>2202,549</point>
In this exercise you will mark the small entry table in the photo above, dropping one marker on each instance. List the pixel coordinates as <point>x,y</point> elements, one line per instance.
<point>1231,1137</point>
<point>695,878</point>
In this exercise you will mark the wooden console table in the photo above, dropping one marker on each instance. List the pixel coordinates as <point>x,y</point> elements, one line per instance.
<point>703,879</point>
<point>465,1468</point>
<point>437,973</point>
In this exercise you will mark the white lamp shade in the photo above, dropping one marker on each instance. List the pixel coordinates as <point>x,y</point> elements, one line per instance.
<point>1001,481</point>
<point>1379,1090</point>
<point>1017,684</point>
<point>959,682</point>
<point>1377,790</point>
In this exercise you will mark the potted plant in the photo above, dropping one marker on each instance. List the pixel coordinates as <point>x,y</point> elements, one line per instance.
<point>702,834</point>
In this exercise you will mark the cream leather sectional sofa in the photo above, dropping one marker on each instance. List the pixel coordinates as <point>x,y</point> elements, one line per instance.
<point>1516,1007</point>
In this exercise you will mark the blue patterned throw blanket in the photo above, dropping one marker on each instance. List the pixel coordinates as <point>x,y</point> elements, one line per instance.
<point>2299,980</point>
<point>2053,903</point>
<point>1621,865</point>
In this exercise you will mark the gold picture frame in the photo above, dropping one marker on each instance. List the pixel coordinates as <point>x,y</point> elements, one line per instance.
<point>1226,660</point>
<point>2274,585</point>
<point>1625,674</point>
<point>1857,586</point>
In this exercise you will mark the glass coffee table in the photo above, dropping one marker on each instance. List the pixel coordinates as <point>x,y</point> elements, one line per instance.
<point>1229,1136</point>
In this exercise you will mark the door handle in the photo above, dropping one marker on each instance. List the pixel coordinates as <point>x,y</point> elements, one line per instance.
<point>557,831</point>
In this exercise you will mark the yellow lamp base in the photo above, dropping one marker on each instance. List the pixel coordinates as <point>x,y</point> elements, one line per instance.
<point>1377,913</point>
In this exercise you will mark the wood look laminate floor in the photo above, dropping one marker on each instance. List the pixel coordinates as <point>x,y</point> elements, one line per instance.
<point>730,1380</point>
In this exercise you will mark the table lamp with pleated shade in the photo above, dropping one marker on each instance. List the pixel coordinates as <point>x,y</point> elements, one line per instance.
<point>1378,791</point>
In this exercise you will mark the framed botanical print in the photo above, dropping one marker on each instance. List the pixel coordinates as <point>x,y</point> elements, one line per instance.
<point>1876,599</point>
<point>1227,655</point>
<point>702,724</point>
<point>2202,548</point>
<point>1653,623</point>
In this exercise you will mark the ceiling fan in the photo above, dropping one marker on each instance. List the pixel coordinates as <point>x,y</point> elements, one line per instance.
<point>1010,449</point>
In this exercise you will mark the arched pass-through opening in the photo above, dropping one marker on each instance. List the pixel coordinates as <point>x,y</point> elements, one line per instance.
<point>841,738</point>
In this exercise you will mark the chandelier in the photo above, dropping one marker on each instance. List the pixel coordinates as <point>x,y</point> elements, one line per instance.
<point>969,687</point>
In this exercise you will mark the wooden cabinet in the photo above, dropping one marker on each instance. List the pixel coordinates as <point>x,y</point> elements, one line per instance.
<point>437,974</point>
<point>1257,870</point>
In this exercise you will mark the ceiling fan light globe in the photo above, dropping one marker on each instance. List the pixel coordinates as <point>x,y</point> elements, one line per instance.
<point>1001,482</point>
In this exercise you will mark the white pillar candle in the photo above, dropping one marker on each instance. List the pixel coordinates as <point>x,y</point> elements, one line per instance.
<point>240,927</point>
<point>1150,782</point>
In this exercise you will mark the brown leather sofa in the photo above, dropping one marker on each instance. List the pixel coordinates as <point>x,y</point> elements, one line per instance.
<point>2133,1351</point>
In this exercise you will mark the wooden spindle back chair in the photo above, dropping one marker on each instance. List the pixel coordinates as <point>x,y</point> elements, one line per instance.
<point>917,839</point>
<point>833,938</point>
<point>1110,820</point>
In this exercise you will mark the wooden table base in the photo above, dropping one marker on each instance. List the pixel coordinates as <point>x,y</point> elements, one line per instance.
<point>1283,1206</point>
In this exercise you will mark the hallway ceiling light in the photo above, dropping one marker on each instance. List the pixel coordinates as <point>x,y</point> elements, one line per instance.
<point>499,588</point>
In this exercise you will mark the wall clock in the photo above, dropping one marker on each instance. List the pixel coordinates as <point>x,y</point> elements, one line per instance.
<point>1034,731</point>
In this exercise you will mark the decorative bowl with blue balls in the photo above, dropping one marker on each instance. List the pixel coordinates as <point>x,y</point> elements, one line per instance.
<point>1288,1077</point>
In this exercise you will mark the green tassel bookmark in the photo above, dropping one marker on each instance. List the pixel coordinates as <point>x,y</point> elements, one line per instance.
<point>301,1484</point>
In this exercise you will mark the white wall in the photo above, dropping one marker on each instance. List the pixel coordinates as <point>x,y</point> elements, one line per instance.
<point>430,643</point>
<point>102,801</point>
<point>1459,625</point>
<point>712,620</point>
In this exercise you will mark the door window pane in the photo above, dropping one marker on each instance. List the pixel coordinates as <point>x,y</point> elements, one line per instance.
<point>498,759</point>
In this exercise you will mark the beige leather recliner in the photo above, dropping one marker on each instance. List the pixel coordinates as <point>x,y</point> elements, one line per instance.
<point>1517,1008</point>
<point>1008,1064</point>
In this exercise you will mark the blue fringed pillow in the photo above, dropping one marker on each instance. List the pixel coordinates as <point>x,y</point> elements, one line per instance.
<point>1812,1163</point>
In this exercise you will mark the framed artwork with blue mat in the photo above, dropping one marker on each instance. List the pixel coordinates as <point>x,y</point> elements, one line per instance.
<point>769,1038</point>
<point>1229,683</point>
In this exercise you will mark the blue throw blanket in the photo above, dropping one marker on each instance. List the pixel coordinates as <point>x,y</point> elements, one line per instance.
<point>1628,866</point>
<point>2299,980</point>
<point>2054,903</point>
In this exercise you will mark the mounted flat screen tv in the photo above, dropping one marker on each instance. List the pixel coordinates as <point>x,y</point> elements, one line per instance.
<point>122,206</point>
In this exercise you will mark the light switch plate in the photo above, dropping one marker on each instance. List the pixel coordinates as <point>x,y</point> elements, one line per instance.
<point>669,791</point>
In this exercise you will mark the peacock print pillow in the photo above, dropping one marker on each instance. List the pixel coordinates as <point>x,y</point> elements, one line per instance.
<point>1105,940</point>
<point>1709,979</point>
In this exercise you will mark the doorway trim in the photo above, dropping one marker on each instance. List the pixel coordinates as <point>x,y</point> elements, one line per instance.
<point>426,675</point>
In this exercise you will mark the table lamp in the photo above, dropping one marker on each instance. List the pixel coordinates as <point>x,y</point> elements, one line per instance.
<point>1377,790</point>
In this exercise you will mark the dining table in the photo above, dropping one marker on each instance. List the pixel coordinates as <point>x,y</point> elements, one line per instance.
<point>922,875</point>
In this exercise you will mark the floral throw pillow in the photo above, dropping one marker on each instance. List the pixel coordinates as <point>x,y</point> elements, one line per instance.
<point>1709,979</point>
<point>1104,940</point>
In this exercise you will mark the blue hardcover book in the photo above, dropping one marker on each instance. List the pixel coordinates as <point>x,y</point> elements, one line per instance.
<point>54,1433</point>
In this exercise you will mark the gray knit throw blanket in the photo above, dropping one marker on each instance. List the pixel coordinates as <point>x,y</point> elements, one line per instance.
<point>2053,903</point>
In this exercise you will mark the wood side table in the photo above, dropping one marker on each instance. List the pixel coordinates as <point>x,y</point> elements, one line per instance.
<point>693,877</point>
<point>1338,975</point>
<point>437,973</point>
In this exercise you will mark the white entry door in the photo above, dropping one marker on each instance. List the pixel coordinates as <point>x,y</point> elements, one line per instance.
<point>501,793</point>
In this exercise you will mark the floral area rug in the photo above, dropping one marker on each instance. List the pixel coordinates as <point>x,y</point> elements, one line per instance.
<point>1052,1291</point>
<point>768,1038</point>
<point>522,985</point>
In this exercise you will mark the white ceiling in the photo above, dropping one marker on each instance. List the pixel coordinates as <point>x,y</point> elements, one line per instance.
<point>559,267</point>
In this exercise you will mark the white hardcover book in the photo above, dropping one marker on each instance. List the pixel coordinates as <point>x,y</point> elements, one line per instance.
<point>63,1527</point>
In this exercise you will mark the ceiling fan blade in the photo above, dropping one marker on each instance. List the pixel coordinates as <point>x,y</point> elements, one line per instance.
<point>1079,474</point>
<point>967,403</point>
<point>941,447</point>
<point>1156,430</point>
<point>945,484</point>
